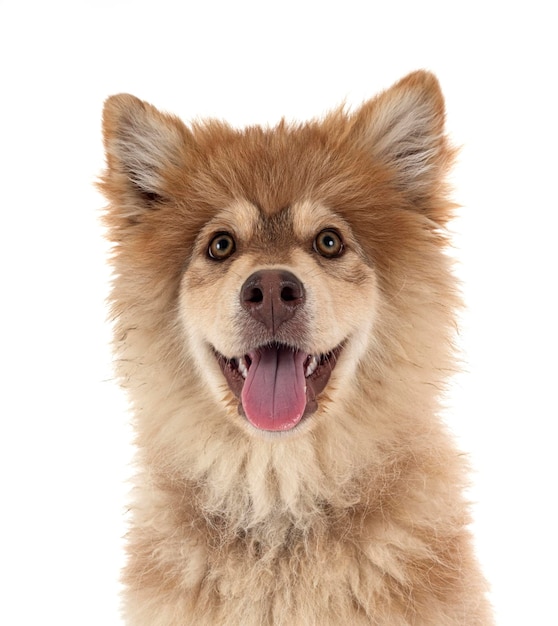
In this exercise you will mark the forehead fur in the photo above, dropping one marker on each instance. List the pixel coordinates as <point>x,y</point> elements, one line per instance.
<point>276,167</point>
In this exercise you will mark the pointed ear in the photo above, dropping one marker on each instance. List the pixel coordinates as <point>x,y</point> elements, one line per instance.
<point>145,150</point>
<point>403,128</point>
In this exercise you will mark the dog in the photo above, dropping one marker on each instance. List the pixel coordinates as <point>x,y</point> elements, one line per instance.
<point>284,323</point>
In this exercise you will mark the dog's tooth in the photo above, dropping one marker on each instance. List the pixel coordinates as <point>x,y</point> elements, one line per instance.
<point>243,367</point>
<point>311,367</point>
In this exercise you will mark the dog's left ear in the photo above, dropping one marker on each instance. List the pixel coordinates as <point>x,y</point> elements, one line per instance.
<point>403,128</point>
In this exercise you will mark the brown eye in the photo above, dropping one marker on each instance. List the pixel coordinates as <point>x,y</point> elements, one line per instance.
<point>328,243</point>
<point>221,247</point>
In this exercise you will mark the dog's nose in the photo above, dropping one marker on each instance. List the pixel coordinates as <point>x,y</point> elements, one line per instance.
<point>272,297</point>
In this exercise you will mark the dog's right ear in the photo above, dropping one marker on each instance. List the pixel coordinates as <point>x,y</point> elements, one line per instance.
<point>145,151</point>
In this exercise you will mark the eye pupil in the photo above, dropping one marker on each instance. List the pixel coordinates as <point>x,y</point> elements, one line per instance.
<point>221,247</point>
<point>328,243</point>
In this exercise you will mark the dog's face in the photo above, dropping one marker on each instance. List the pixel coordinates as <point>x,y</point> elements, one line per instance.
<point>282,261</point>
<point>278,305</point>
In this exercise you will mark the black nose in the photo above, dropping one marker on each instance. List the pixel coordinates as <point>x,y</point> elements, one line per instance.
<point>272,297</point>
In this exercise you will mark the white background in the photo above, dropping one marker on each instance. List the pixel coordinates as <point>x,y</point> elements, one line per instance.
<point>64,439</point>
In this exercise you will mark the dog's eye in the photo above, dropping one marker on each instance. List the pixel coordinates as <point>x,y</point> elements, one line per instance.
<point>221,247</point>
<point>328,243</point>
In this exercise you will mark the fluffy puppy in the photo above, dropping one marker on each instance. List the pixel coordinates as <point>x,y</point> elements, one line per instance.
<point>284,316</point>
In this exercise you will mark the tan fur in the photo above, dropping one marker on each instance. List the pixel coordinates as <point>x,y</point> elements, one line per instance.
<point>356,516</point>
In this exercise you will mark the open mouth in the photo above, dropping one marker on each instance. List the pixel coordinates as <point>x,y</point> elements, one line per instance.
<point>278,385</point>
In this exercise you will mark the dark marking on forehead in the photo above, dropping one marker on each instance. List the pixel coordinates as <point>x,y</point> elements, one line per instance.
<point>274,233</point>
<point>275,226</point>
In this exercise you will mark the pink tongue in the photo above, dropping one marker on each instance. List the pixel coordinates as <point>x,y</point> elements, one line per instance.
<point>274,392</point>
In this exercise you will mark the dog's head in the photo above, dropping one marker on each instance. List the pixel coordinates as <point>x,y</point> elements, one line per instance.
<point>288,262</point>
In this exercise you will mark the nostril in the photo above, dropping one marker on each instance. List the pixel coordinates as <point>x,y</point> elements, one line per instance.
<point>290,293</point>
<point>253,295</point>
